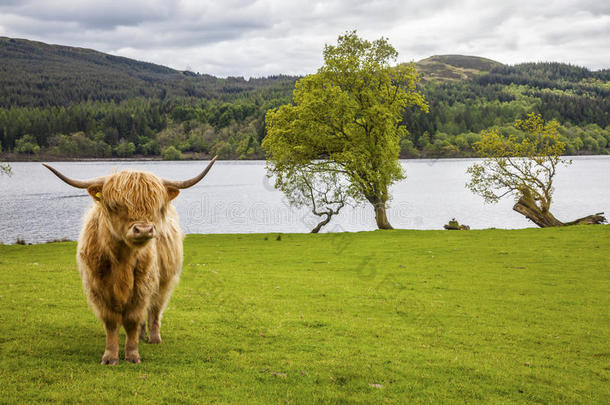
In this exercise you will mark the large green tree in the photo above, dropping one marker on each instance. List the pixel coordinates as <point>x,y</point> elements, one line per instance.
<point>348,113</point>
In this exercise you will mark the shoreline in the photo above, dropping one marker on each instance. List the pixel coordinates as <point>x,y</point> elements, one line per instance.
<point>274,235</point>
<point>12,158</point>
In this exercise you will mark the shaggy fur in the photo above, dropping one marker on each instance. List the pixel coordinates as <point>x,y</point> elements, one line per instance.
<point>127,280</point>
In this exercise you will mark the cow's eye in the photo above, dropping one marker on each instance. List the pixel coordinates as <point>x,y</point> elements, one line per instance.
<point>116,208</point>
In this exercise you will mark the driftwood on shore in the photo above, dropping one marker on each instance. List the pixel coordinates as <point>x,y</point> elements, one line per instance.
<point>454,225</point>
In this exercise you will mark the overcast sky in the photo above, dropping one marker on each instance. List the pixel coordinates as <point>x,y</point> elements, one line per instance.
<point>266,37</point>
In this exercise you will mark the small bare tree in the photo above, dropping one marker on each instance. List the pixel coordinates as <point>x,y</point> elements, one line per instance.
<point>317,185</point>
<point>5,168</point>
<point>524,168</point>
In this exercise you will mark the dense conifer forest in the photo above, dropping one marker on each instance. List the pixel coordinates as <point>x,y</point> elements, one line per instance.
<point>64,102</point>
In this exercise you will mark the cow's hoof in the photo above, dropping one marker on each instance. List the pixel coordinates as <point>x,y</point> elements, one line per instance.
<point>110,360</point>
<point>155,340</point>
<point>133,358</point>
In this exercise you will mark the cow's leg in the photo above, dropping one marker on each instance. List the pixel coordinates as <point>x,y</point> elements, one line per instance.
<point>143,335</point>
<point>154,324</point>
<point>111,354</point>
<point>132,330</point>
<point>155,311</point>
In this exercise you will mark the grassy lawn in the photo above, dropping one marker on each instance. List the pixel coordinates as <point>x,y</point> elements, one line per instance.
<point>490,316</point>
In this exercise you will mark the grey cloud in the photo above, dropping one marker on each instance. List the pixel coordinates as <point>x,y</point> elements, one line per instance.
<point>590,30</point>
<point>594,7</point>
<point>102,14</point>
<point>6,3</point>
<point>165,36</point>
<point>247,37</point>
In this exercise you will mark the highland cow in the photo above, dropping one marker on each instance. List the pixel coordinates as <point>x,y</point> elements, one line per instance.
<point>129,254</point>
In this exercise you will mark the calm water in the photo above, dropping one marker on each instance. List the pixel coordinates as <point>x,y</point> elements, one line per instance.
<point>236,197</point>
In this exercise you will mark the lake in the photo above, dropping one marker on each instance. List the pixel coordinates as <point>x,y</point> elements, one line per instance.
<point>237,197</point>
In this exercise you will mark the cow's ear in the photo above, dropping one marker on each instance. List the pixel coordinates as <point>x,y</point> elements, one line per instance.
<point>172,192</point>
<point>95,191</point>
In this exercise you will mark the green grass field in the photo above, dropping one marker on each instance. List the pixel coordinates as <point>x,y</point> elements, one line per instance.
<point>491,316</point>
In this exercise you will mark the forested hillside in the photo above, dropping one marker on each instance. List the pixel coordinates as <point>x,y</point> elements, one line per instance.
<point>460,109</point>
<point>35,74</point>
<point>63,102</point>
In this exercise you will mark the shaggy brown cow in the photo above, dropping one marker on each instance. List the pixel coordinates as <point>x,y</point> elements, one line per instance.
<point>129,253</point>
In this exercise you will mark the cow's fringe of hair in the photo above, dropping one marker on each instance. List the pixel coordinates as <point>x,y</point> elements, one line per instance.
<point>142,193</point>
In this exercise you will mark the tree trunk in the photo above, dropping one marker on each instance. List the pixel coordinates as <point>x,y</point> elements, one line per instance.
<point>322,223</point>
<point>594,219</point>
<point>544,219</point>
<point>381,217</point>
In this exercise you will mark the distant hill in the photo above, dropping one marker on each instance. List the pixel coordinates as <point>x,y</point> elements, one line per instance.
<point>38,74</point>
<point>71,60</point>
<point>454,67</point>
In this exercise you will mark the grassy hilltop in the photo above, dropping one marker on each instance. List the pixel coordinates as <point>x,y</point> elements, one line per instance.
<point>492,316</point>
<point>446,68</point>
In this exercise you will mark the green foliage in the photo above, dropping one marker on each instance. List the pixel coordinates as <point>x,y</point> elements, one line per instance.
<point>147,124</point>
<point>223,150</point>
<point>124,149</point>
<point>75,75</point>
<point>171,153</point>
<point>454,225</point>
<point>519,166</point>
<point>85,91</point>
<point>80,145</point>
<point>486,316</point>
<point>5,168</point>
<point>348,114</point>
<point>27,144</point>
<point>147,146</point>
<point>572,95</point>
<point>407,148</point>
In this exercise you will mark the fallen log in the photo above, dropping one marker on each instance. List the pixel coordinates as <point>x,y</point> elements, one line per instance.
<point>544,218</point>
<point>595,219</point>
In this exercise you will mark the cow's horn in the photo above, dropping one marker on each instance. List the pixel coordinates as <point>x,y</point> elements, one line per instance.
<point>75,183</point>
<point>190,182</point>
